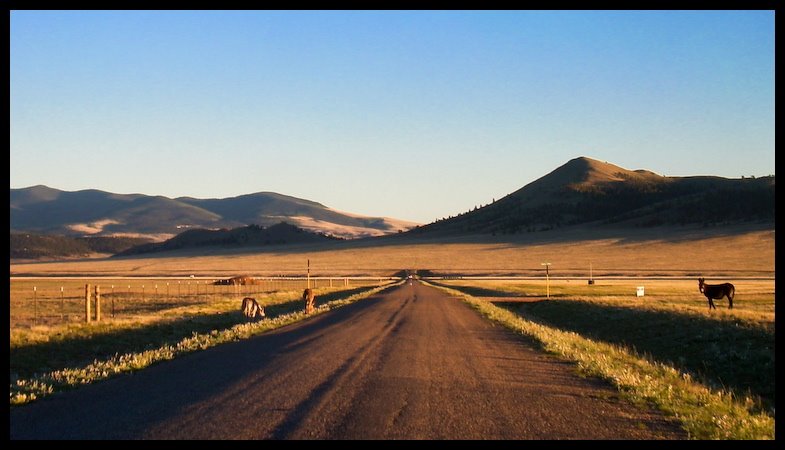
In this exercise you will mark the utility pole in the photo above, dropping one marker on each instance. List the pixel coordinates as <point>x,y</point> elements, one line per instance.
<point>547,280</point>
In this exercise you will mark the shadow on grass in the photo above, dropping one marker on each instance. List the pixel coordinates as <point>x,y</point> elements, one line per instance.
<point>481,292</point>
<point>721,353</point>
<point>103,342</point>
<point>475,291</point>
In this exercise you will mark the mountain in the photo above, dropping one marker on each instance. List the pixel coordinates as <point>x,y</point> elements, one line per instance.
<point>251,235</point>
<point>585,190</point>
<point>92,212</point>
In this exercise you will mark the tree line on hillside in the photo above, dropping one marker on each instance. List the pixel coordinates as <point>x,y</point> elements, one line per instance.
<point>34,246</point>
<point>251,235</point>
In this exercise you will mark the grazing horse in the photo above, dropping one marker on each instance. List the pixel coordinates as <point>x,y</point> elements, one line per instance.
<point>308,298</point>
<point>716,292</point>
<point>251,308</point>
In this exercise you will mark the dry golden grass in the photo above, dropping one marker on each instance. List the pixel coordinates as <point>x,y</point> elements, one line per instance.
<point>753,302</point>
<point>657,251</point>
<point>36,302</point>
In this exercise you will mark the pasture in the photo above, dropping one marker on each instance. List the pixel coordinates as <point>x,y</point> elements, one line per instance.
<point>50,301</point>
<point>639,252</point>
<point>671,324</point>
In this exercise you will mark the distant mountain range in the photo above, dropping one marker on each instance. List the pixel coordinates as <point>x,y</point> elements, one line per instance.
<point>42,209</point>
<point>585,190</point>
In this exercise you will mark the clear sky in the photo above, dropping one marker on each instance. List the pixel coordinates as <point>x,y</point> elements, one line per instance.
<point>413,115</point>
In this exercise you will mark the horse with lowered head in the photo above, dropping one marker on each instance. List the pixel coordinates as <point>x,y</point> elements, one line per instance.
<point>251,308</point>
<point>716,292</point>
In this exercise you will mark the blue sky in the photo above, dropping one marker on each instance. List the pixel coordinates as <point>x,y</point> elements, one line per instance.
<point>413,115</point>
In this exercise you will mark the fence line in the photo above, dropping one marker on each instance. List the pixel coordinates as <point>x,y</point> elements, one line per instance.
<point>79,301</point>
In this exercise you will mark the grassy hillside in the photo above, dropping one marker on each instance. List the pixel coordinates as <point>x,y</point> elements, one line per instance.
<point>42,209</point>
<point>588,191</point>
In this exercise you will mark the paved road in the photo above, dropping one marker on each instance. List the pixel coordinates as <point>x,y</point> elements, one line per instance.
<point>411,363</point>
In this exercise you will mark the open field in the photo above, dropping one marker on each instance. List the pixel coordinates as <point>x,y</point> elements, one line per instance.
<point>711,252</point>
<point>670,324</point>
<point>49,301</point>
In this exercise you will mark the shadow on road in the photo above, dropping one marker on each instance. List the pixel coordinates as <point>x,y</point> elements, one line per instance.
<point>184,381</point>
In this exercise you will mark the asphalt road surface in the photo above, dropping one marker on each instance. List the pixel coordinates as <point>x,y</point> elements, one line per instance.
<point>410,363</point>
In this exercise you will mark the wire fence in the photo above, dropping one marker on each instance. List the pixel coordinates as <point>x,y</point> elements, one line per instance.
<point>49,302</point>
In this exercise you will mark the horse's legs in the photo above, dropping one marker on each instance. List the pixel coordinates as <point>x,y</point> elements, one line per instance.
<point>711,304</point>
<point>730,301</point>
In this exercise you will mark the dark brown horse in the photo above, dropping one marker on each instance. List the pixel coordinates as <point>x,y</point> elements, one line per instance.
<point>716,292</point>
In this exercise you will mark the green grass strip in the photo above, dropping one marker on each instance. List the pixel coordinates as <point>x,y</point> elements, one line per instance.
<point>30,389</point>
<point>704,413</point>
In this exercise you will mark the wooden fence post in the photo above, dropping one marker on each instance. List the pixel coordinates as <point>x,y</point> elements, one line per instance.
<point>97,303</point>
<point>87,315</point>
